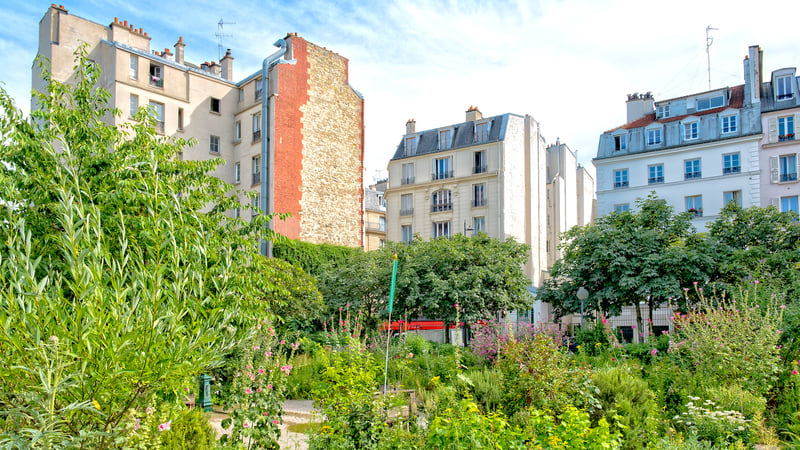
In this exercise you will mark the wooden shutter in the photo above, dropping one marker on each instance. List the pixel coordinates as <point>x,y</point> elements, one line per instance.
<point>776,202</point>
<point>774,169</point>
<point>773,129</point>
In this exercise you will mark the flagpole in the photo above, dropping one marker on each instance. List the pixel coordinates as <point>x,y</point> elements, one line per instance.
<point>389,328</point>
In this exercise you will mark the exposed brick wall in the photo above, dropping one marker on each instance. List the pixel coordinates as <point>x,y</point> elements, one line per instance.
<point>331,174</point>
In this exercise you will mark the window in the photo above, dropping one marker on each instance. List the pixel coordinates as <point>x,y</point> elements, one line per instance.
<point>620,178</point>
<point>156,75</point>
<point>256,127</point>
<point>692,169</point>
<point>442,168</point>
<point>655,174</point>
<point>730,164</point>
<point>479,194</point>
<point>256,203</point>
<point>180,119</point>
<point>241,94</point>
<point>729,124</point>
<point>382,224</point>
<point>694,205</point>
<point>237,131</point>
<point>789,204</point>
<point>478,225</point>
<point>783,88</point>
<point>408,174</point>
<point>441,229</point>
<point>480,162</point>
<point>654,136</point>
<point>236,213</point>
<point>134,104</point>
<point>215,107</point>
<point>441,201</point>
<point>406,204</point>
<point>237,173</point>
<point>620,142</point>
<point>690,131</point>
<point>482,131</point>
<point>662,111</point>
<point>134,71</point>
<point>622,207</point>
<point>256,169</point>
<point>259,89</point>
<point>445,139</point>
<point>786,128</point>
<point>711,102</point>
<point>411,146</point>
<point>406,234</point>
<point>213,144</point>
<point>158,114</point>
<point>734,197</point>
<point>788,168</point>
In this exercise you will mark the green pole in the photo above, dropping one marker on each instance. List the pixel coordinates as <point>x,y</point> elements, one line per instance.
<point>394,279</point>
<point>389,328</point>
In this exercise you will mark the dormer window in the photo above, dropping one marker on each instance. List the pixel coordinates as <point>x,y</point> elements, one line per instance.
<point>482,131</point>
<point>710,102</point>
<point>654,136</point>
<point>445,138</point>
<point>662,112</point>
<point>620,142</point>
<point>691,130</point>
<point>783,88</point>
<point>411,145</point>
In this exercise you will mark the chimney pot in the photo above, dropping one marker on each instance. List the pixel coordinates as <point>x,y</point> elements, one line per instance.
<point>473,114</point>
<point>126,23</point>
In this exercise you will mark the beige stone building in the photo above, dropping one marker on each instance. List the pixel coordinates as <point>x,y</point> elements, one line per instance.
<point>488,174</point>
<point>375,216</point>
<point>304,156</point>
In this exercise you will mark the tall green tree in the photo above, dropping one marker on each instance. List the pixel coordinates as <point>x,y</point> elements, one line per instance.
<point>646,254</point>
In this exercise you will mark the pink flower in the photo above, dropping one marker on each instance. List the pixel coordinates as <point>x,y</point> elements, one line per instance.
<point>248,391</point>
<point>164,426</point>
<point>756,281</point>
<point>455,306</point>
<point>268,354</point>
<point>258,390</point>
<point>149,410</point>
<point>282,342</point>
<point>246,424</point>
<point>252,378</point>
<point>261,371</point>
<point>783,306</point>
<point>605,322</point>
<point>269,386</point>
<point>794,372</point>
<point>634,327</point>
<point>259,326</point>
<point>287,368</point>
<point>275,422</point>
<point>266,413</point>
<point>348,305</point>
<point>653,352</point>
<point>136,425</point>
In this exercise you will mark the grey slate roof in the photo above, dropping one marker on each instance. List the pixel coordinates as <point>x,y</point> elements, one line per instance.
<point>768,102</point>
<point>372,200</point>
<point>463,136</point>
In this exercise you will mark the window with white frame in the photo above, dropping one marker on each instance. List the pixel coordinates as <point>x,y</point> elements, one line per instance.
<point>479,194</point>
<point>662,111</point>
<point>158,115</point>
<point>654,136</point>
<point>406,204</point>
<point>692,169</point>
<point>259,89</point>
<point>478,225</point>
<point>134,104</point>
<point>694,205</point>
<point>256,204</point>
<point>382,224</point>
<point>620,142</point>
<point>786,128</point>
<point>482,131</point>
<point>256,126</point>
<point>480,162</point>
<point>788,167</point>
<point>445,139</point>
<point>156,75</point>
<point>710,102</point>
<point>408,174</point>
<point>237,131</point>
<point>691,130</point>
<point>789,204</point>
<point>241,94</point>
<point>730,164</point>
<point>734,197</point>
<point>256,169</point>
<point>213,146</point>
<point>783,88</point>
<point>441,229</point>
<point>729,124</point>
<point>620,178</point>
<point>236,213</point>
<point>443,168</point>
<point>134,68</point>
<point>622,207</point>
<point>237,173</point>
<point>406,234</point>
<point>655,174</point>
<point>441,201</point>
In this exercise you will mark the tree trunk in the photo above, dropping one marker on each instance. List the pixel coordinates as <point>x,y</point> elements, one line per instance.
<point>638,323</point>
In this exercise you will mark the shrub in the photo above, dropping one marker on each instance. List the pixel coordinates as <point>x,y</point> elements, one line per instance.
<point>168,426</point>
<point>466,427</point>
<point>709,422</point>
<point>628,402</point>
<point>486,388</point>
<point>572,429</point>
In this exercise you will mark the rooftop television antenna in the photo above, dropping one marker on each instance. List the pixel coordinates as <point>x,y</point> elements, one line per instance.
<point>220,35</point>
<point>709,41</point>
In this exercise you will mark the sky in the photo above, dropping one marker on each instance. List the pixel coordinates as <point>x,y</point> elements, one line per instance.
<point>568,63</point>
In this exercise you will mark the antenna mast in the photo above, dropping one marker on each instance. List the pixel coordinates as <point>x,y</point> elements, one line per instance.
<point>709,41</point>
<point>220,36</point>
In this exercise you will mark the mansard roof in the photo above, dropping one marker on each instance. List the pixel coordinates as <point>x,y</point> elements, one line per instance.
<point>463,136</point>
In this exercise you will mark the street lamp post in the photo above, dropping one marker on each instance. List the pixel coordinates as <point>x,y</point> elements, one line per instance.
<point>582,295</point>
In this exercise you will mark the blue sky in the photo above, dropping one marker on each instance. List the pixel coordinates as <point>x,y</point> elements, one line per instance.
<point>567,63</point>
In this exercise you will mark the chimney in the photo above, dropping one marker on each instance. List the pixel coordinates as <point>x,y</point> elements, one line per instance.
<point>179,50</point>
<point>213,67</point>
<point>473,114</point>
<point>411,126</point>
<point>756,72</point>
<point>639,105</point>
<point>167,54</point>
<point>227,65</point>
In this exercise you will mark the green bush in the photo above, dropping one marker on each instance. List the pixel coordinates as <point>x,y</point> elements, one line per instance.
<point>572,429</point>
<point>628,402</point>
<point>190,429</point>
<point>168,426</point>
<point>464,426</point>
<point>312,257</point>
<point>486,388</point>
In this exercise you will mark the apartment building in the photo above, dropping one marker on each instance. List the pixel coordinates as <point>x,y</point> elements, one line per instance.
<point>375,216</point>
<point>293,144</point>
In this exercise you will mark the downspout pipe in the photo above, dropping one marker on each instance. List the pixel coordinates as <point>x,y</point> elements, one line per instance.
<point>266,181</point>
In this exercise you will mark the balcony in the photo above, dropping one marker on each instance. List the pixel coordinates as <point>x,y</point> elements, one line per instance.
<point>156,82</point>
<point>479,169</point>
<point>257,178</point>
<point>442,207</point>
<point>730,170</point>
<point>441,175</point>
<point>259,90</point>
<point>256,135</point>
<point>478,202</point>
<point>407,180</point>
<point>376,226</point>
<point>692,175</point>
<point>620,184</point>
<point>696,212</point>
<point>786,137</point>
<point>655,180</point>
<point>406,211</point>
<point>791,176</point>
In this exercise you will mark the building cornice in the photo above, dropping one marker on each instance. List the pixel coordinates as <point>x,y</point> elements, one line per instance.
<point>647,154</point>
